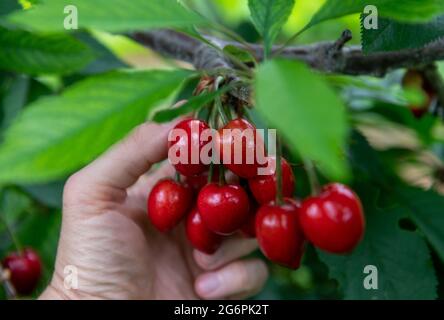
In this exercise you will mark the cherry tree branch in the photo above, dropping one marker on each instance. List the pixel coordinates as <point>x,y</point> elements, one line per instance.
<point>329,57</point>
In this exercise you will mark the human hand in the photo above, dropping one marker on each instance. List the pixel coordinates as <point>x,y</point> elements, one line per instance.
<point>107,236</point>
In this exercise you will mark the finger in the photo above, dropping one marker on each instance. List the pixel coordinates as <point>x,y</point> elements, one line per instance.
<point>146,182</point>
<point>242,278</point>
<point>230,250</point>
<point>123,164</point>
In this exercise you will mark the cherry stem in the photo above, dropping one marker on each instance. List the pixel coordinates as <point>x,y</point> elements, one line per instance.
<point>13,238</point>
<point>279,197</point>
<point>177,176</point>
<point>312,177</point>
<point>222,175</point>
<point>210,173</point>
<point>222,114</point>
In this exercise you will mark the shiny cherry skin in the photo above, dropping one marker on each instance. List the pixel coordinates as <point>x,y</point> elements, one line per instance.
<point>197,182</point>
<point>244,147</point>
<point>168,202</point>
<point>200,237</point>
<point>279,233</point>
<point>224,208</point>
<point>333,221</point>
<point>25,269</point>
<point>190,140</point>
<point>263,187</point>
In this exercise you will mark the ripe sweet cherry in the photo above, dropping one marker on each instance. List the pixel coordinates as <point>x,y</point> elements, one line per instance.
<point>224,208</point>
<point>279,234</point>
<point>191,141</point>
<point>333,221</point>
<point>25,268</point>
<point>263,187</point>
<point>168,202</point>
<point>239,147</point>
<point>202,238</point>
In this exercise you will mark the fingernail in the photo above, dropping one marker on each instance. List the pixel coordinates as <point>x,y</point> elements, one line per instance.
<point>208,284</point>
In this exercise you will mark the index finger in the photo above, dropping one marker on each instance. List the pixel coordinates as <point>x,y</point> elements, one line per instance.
<point>124,163</point>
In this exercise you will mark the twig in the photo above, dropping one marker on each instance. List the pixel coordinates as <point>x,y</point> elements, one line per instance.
<point>349,60</point>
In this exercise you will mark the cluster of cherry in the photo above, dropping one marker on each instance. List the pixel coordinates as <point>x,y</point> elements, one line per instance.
<point>260,206</point>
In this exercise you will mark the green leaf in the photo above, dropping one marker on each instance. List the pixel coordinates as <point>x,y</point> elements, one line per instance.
<point>104,60</point>
<point>392,35</point>
<point>26,52</point>
<point>191,105</point>
<point>57,135</point>
<point>308,114</point>
<point>402,259</point>
<point>106,15</point>
<point>425,208</point>
<point>241,54</point>
<point>7,6</point>
<point>268,17</point>
<point>406,10</point>
<point>14,99</point>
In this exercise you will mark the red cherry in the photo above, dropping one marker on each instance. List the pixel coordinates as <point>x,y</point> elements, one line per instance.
<point>279,234</point>
<point>168,203</point>
<point>25,269</point>
<point>334,220</point>
<point>224,209</point>
<point>199,181</point>
<point>263,187</point>
<point>190,139</point>
<point>202,238</point>
<point>240,149</point>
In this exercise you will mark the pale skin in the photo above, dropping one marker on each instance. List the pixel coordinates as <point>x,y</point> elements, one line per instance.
<point>107,236</point>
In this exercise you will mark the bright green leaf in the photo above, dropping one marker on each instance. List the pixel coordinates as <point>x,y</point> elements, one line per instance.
<point>392,35</point>
<point>106,15</point>
<point>406,10</point>
<point>57,135</point>
<point>239,53</point>
<point>402,259</point>
<point>309,115</point>
<point>22,51</point>
<point>268,17</point>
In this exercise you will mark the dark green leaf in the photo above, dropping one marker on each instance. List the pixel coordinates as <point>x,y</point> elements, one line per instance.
<point>425,208</point>
<point>57,135</point>
<point>26,52</point>
<point>268,17</point>
<point>106,15</point>
<point>308,114</point>
<point>49,194</point>
<point>14,100</point>
<point>406,10</point>
<point>402,259</point>
<point>7,6</point>
<point>392,35</point>
<point>104,60</point>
